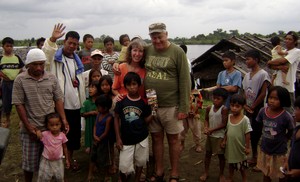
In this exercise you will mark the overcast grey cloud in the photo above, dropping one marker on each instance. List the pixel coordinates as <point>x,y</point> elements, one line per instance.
<point>22,19</point>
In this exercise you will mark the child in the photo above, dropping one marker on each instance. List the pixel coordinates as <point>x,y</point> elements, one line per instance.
<point>85,53</point>
<point>110,56</point>
<point>237,137</point>
<point>255,85</point>
<point>230,79</point>
<point>277,129</point>
<point>10,66</point>
<point>51,164</point>
<point>278,52</point>
<point>40,42</point>
<point>193,119</point>
<point>216,117</point>
<point>100,154</point>
<point>132,115</point>
<point>292,167</point>
<point>89,112</point>
<point>124,41</point>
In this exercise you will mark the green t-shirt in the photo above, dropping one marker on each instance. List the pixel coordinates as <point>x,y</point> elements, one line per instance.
<point>11,66</point>
<point>168,74</point>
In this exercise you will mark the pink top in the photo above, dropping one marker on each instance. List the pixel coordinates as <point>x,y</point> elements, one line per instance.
<point>118,80</point>
<point>53,149</point>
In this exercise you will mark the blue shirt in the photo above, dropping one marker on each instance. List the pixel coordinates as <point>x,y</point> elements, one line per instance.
<point>229,79</point>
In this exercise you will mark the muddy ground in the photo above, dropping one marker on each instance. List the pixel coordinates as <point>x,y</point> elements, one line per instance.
<point>191,165</point>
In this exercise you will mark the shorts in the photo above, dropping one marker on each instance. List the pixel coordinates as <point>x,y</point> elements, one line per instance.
<point>51,169</point>
<point>31,153</point>
<point>134,155</point>
<point>7,87</point>
<point>74,135</point>
<point>213,145</point>
<point>270,164</point>
<point>101,154</point>
<point>166,119</point>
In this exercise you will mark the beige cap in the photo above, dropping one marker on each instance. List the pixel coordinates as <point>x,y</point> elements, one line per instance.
<point>97,52</point>
<point>157,27</point>
<point>35,55</point>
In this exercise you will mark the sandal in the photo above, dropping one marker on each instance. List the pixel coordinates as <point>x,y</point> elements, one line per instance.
<point>75,166</point>
<point>176,178</point>
<point>156,178</point>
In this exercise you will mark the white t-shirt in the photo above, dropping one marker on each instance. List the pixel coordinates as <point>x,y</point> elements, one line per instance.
<point>293,58</point>
<point>71,99</point>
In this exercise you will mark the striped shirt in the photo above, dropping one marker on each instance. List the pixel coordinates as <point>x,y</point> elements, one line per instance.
<point>37,96</point>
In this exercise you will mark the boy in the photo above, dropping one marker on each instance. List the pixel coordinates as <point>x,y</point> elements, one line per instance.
<point>85,53</point>
<point>131,131</point>
<point>40,42</point>
<point>10,66</point>
<point>255,85</point>
<point>214,127</point>
<point>292,167</point>
<point>110,56</point>
<point>230,79</point>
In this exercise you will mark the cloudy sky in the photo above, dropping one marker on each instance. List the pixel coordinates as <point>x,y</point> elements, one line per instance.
<point>22,19</point>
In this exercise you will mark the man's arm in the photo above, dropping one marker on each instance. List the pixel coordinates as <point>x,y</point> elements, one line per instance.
<point>23,117</point>
<point>276,62</point>
<point>59,106</point>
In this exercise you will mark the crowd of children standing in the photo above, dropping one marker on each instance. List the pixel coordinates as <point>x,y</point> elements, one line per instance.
<point>243,113</point>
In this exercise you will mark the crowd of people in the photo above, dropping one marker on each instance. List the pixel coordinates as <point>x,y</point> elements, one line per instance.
<point>54,88</point>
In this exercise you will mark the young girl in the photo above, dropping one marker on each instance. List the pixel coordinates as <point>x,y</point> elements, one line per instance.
<point>100,154</point>
<point>94,75</point>
<point>89,112</point>
<point>237,138</point>
<point>51,164</point>
<point>277,129</point>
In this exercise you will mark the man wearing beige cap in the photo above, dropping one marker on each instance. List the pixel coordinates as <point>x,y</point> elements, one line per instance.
<point>167,73</point>
<point>36,93</point>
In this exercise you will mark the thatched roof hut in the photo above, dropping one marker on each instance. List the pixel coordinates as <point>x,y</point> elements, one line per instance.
<point>207,66</point>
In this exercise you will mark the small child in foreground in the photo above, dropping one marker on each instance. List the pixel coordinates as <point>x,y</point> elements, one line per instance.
<point>51,164</point>
<point>237,138</point>
<point>132,116</point>
<point>216,117</point>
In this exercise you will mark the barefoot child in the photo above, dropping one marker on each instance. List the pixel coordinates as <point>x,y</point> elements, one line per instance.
<point>51,164</point>
<point>100,154</point>
<point>214,127</point>
<point>237,137</point>
<point>277,130</point>
<point>255,85</point>
<point>132,116</point>
<point>89,112</point>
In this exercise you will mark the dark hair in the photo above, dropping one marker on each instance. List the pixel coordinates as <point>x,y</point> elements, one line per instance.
<point>238,99</point>
<point>109,81</point>
<point>95,84</point>
<point>92,72</point>
<point>192,81</point>
<point>230,55</point>
<point>283,95</point>
<point>255,54</point>
<point>294,35</point>
<point>222,92</point>
<point>53,115</point>
<point>275,41</point>
<point>103,101</point>
<point>86,36</point>
<point>108,39</point>
<point>184,48</point>
<point>122,37</point>
<point>40,40</point>
<point>72,34</point>
<point>140,44</point>
<point>7,40</point>
<point>297,102</point>
<point>130,77</point>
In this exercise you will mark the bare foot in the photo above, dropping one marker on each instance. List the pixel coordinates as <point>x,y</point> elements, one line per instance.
<point>203,177</point>
<point>88,150</point>
<point>198,149</point>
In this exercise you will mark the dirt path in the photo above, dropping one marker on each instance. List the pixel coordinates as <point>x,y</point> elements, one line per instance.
<point>190,167</point>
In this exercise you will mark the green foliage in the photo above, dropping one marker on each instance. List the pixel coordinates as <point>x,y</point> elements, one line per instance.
<point>211,38</point>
